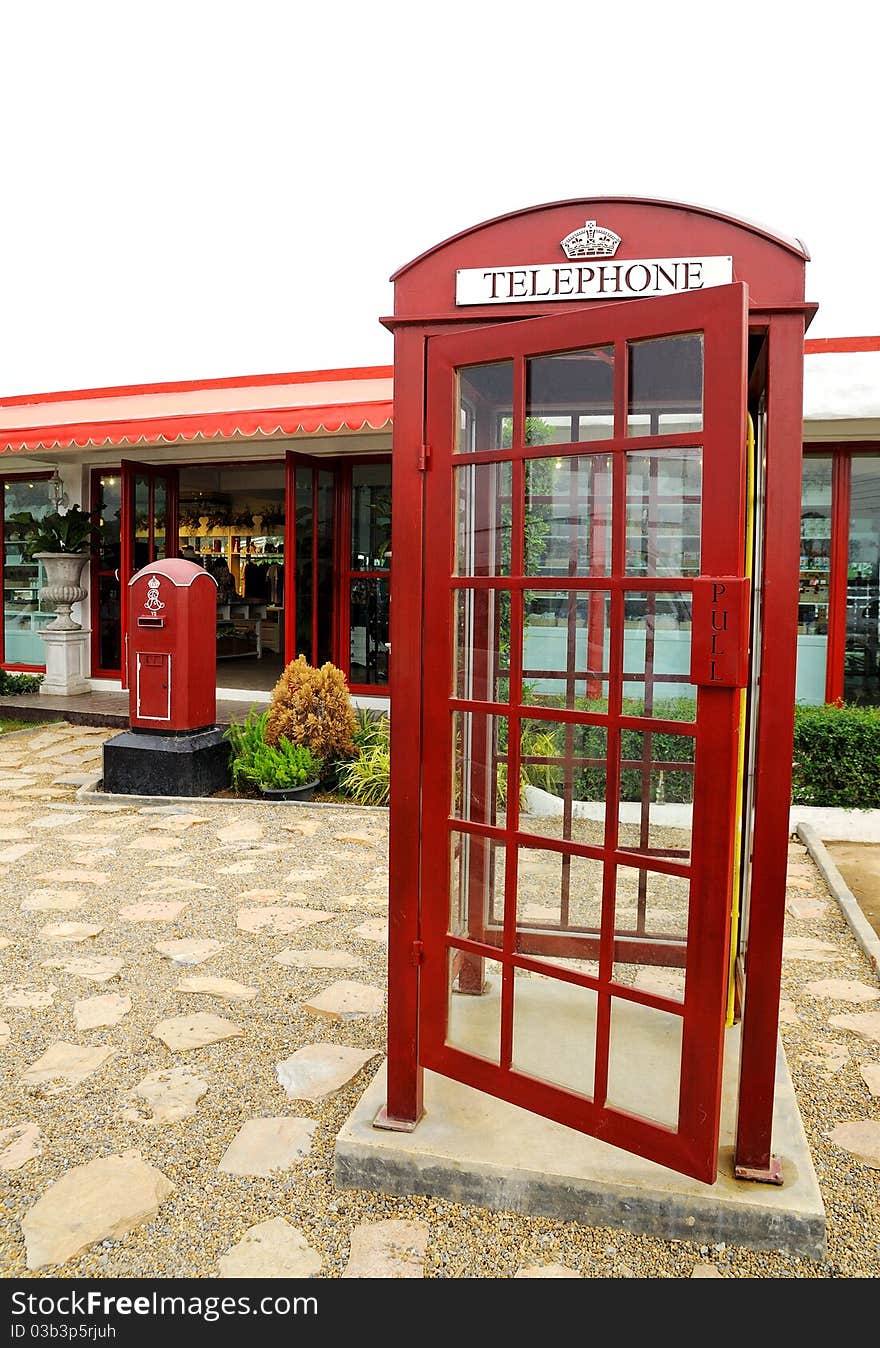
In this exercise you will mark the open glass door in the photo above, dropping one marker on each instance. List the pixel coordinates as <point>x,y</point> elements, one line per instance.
<point>309,552</point>
<point>583,643</point>
<point>149,520</point>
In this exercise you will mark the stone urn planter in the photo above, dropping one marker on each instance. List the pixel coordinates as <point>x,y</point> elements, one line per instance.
<point>62,589</point>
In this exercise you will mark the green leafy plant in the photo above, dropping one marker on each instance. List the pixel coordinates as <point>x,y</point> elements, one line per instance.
<point>18,685</point>
<point>837,757</point>
<point>283,766</point>
<point>245,738</point>
<point>278,767</point>
<point>366,779</point>
<point>55,532</point>
<point>541,744</point>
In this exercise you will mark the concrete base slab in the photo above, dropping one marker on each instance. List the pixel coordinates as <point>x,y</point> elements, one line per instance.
<point>474,1149</point>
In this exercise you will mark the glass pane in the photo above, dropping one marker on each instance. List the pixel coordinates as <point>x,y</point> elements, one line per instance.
<point>476,897</point>
<point>483,519</point>
<point>644,1062</point>
<point>559,909</point>
<point>666,385</point>
<point>563,768</point>
<point>141,548</point>
<point>371,517</point>
<point>568,516</point>
<point>160,518</point>
<point>813,598</point>
<point>24,613</point>
<point>657,655</point>
<point>656,793</point>
<point>663,512</point>
<point>109,637</point>
<point>109,509</point>
<point>377,663</point>
<point>650,908</point>
<point>369,625</point>
<point>481,654</point>
<point>479,778</point>
<point>474,1023</point>
<point>554,1031</point>
<point>861,670</point>
<point>303,563</point>
<point>565,649</point>
<point>485,395</point>
<point>570,397</point>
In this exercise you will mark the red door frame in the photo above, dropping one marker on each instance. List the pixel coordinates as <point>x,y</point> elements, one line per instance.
<point>842,456</point>
<point>315,464</point>
<point>424,304</point>
<point>130,470</point>
<point>721,314</point>
<point>4,478</point>
<point>98,670</point>
<point>346,573</point>
<point>340,467</point>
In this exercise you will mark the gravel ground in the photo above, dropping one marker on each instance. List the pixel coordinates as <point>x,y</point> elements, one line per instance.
<point>211,1210</point>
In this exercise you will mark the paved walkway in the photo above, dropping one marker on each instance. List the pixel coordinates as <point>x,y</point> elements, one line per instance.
<point>192,1002</point>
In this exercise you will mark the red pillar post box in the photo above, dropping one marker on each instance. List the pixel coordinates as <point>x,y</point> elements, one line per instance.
<point>173,747</point>
<point>172,647</point>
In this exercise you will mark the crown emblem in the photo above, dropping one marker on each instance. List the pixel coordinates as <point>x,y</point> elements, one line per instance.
<point>591,241</point>
<point>152,602</point>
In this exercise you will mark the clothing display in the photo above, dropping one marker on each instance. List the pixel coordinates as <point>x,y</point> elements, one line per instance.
<point>255,579</point>
<point>275,581</point>
<point>218,568</point>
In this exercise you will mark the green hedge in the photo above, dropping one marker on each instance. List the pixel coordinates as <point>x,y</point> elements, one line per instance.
<point>837,757</point>
<point>17,685</point>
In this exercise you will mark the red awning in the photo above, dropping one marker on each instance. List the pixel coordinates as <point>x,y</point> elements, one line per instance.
<point>201,426</point>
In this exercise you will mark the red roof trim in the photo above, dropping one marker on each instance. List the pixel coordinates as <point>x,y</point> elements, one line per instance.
<point>149,431</point>
<point>189,385</point>
<point>817,345</point>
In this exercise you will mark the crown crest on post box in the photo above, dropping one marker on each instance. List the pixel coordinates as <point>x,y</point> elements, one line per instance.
<point>593,240</point>
<point>152,601</point>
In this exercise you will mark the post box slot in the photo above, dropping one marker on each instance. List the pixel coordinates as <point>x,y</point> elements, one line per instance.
<point>151,622</point>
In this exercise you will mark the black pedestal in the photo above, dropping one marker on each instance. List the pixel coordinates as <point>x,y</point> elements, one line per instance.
<point>138,763</point>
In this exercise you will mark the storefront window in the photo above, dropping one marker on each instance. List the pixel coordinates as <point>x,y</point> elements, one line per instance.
<point>369,590</point>
<point>813,597</point>
<point>24,614</point>
<point>861,671</point>
<point>369,630</point>
<point>371,517</point>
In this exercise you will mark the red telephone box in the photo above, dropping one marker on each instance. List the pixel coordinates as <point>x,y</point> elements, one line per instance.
<point>597,405</point>
<point>172,647</point>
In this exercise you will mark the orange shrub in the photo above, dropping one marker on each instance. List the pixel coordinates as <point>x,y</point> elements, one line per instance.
<point>313,707</point>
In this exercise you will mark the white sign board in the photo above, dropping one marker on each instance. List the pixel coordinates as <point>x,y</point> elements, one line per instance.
<point>595,279</point>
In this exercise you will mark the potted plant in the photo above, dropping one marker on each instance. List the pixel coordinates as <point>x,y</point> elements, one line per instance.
<point>282,771</point>
<point>286,771</point>
<point>60,540</point>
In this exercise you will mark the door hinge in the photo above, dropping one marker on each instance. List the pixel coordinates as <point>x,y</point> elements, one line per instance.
<point>424,457</point>
<point>418,952</point>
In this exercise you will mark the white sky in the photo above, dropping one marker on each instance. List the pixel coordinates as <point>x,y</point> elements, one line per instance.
<point>200,189</point>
